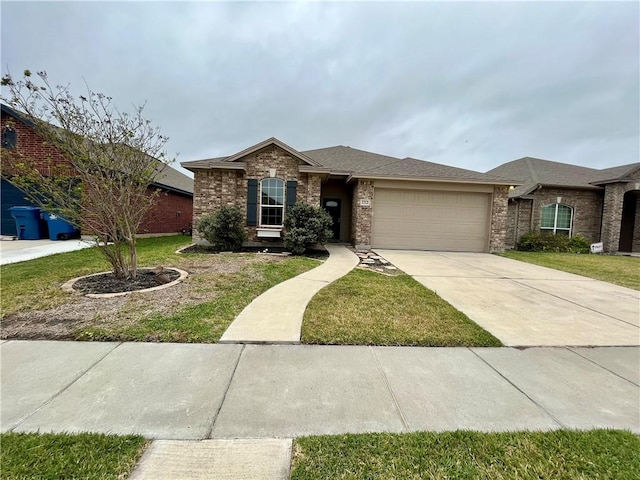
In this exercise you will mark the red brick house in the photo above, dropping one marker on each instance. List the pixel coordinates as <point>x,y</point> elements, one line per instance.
<point>374,200</point>
<point>172,212</point>
<point>601,205</point>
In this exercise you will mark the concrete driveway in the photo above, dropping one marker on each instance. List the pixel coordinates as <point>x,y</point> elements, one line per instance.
<point>524,304</point>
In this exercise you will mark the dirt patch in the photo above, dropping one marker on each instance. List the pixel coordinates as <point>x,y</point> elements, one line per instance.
<point>318,253</point>
<point>111,313</point>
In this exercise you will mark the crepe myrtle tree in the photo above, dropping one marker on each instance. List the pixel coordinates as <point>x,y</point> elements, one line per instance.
<point>112,158</point>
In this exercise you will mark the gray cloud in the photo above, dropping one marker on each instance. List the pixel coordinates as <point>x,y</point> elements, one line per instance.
<point>466,84</point>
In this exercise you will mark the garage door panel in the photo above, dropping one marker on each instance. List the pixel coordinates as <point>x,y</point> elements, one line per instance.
<point>430,220</point>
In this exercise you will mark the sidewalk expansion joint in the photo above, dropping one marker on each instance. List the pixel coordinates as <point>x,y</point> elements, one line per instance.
<point>224,397</point>
<point>396,404</point>
<point>553,417</point>
<point>571,349</point>
<point>64,389</point>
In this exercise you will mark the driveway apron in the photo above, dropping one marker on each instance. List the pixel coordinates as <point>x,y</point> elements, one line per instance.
<point>524,304</point>
<point>276,315</point>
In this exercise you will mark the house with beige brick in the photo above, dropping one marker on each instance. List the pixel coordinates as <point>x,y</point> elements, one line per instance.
<point>375,201</point>
<point>601,205</point>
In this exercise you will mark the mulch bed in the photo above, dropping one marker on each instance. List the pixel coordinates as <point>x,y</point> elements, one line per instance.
<point>108,283</point>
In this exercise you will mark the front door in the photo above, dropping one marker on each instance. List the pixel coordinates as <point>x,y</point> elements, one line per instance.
<point>333,207</point>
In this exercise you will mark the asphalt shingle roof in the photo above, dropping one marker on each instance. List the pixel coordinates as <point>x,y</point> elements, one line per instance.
<point>172,178</point>
<point>536,171</point>
<point>167,176</point>
<point>352,161</point>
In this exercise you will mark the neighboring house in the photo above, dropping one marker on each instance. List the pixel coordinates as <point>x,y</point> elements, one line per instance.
<point>602,205</point>
<point>374,200</point>
<point>171,213</point>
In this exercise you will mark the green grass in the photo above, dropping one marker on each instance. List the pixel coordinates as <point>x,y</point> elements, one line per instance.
<point>366,308</point>
<point>206,322</point>
<point>53,456</point>
<point>617,269</point>
<point>35,284</point>
<point>563,454</point>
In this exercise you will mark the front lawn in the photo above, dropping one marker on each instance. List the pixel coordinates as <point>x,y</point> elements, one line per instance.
<point>566,454</point>
<point>198,309</point>
<point>367,308</point>
<point>86,456</point>
<point>618,269</point>
<point>35,284</point>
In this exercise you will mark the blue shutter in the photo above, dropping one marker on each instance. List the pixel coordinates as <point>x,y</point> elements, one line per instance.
<point>252,202</point>
<point>292,186</point>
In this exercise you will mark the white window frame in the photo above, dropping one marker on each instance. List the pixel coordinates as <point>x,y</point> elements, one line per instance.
<point>284,201</point>
<point>555,228</point>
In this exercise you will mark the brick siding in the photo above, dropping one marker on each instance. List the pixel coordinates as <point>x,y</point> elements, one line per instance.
<point>47,159</point>
<point>587,212</point>
<point>498,230</point>
<point>362,216</point>
<point>214,188</point>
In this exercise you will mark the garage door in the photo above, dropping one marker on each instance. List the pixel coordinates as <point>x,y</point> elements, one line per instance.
<point>430,220</point>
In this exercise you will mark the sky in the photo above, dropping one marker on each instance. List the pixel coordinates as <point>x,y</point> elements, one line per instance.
<point>467,84</point>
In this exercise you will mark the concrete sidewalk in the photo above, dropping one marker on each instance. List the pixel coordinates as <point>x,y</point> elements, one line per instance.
<point>195,392</point>
<point>276,315</point>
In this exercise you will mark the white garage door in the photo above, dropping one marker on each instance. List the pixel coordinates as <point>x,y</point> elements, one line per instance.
<point>430,220</point>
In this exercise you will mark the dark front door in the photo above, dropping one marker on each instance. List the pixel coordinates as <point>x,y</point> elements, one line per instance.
<point>627,225</point>
<point>333,207</point>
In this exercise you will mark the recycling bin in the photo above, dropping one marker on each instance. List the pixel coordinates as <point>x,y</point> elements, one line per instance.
<point>27,222</point>
<point>59,228</point>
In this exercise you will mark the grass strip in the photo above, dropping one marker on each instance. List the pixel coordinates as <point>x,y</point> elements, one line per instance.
<point>367,308</point>
<point>617,269</point>
<point>565,454</point>
<point>53,456</point>
<point>207,321</point>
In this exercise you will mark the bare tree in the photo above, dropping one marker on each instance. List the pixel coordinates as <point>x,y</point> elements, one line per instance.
<point>111,160</point>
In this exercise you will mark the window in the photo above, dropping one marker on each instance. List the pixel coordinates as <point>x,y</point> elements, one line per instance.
<point>556,218</point>
<point>271,202</point>
<point>8,137</point>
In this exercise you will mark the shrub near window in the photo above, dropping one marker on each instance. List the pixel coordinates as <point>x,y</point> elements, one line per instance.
<point>224,230</point>
<point>548,242</point>
<point>306,225</point>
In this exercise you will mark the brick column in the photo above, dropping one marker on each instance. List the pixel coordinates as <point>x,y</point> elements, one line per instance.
<point>498,233</point>
<point>362,213</point>
<point>612,216</point>
<point>313,189</point>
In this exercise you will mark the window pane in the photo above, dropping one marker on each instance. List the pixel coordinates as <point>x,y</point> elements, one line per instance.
<point>272,192</point>
<point>564,217</point>
<point>548,216</point>
<point>271,216</point>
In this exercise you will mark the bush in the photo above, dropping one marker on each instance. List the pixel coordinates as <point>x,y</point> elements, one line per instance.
<point>306,225</point>
<point>548,242</point>
<point>224,230</point>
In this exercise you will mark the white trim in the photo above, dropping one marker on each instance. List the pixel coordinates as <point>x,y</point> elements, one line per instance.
<point>260,206</point>
<point>555,228</point>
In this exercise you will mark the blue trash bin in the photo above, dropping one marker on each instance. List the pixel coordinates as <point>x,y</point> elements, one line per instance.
<point>59,229</point>
<point>27,222</point>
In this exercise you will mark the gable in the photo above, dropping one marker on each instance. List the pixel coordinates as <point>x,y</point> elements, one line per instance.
<point>301,158</point>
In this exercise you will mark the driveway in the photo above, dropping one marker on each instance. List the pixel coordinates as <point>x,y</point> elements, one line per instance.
<point>13,251</point>
<point>524,304</point>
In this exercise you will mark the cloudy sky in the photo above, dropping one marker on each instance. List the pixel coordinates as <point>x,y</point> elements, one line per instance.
<point>466,84</point>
